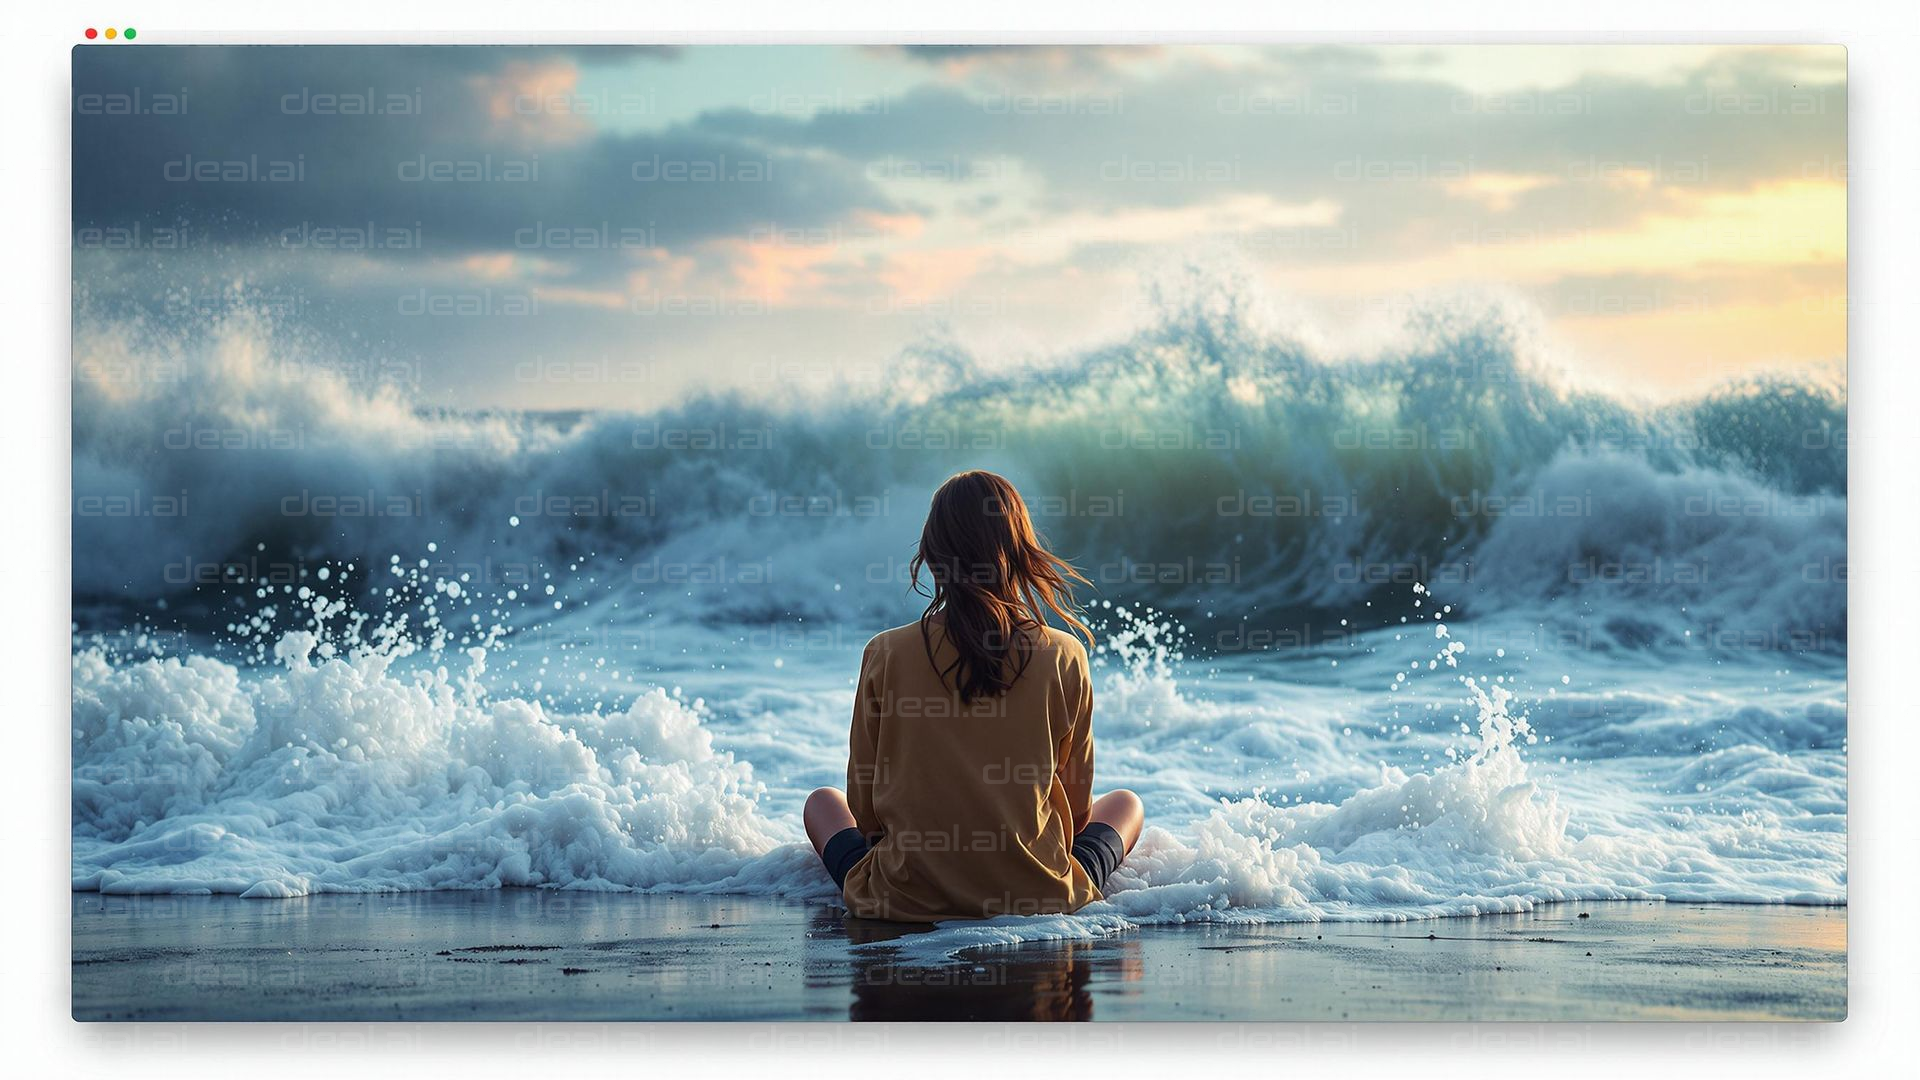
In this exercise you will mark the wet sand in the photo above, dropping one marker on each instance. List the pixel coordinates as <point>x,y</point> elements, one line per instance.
<point>542,955</point>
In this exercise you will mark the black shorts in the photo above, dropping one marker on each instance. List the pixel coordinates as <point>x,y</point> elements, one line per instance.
<point>843,849</point>
<point>1097,847</point>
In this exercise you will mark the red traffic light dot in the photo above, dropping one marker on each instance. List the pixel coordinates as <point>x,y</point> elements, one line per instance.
<point>92,33</point>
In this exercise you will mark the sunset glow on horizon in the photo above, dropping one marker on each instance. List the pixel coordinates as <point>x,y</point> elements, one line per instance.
<point>1672,216</point>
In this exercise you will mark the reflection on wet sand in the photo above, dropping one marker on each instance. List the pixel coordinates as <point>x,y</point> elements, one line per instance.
<point>1044,983</point>
<point>541,954</point>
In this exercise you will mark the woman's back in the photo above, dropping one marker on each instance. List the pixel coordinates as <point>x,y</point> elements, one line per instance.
<point>976,804</point>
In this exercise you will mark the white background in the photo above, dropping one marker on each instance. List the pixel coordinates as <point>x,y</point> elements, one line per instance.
<point>1884,351</point>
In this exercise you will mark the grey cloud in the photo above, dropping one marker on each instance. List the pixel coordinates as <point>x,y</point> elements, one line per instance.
<point>428,160</point>
<point>1325,123</point>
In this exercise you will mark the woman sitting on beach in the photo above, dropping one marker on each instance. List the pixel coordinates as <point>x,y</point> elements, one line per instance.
<point>970,771</point>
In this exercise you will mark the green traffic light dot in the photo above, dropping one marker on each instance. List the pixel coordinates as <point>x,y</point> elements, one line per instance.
<point>130,33</point>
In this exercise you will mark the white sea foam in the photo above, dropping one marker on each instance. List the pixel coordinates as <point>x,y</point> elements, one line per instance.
<point>961,939</point>
<point>343,774</point>
<point>360,766</point>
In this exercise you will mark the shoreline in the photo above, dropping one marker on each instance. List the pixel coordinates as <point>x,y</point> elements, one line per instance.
<point>551,955</point>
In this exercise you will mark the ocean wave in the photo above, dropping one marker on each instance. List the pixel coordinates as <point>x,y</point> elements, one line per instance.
<point>1200,459</point>
<point>363,762</point>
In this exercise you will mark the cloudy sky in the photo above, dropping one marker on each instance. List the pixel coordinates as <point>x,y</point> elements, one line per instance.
<point>557,228</point>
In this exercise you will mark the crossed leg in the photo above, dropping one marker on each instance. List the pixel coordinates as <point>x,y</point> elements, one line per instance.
<point>826,814</point>
<point>1122,811</point>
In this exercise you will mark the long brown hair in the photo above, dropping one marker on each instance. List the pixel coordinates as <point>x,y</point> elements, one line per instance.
<point>993,579</point>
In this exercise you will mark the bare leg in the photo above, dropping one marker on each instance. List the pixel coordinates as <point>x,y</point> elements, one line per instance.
<point>1121,810</point>
<point>826,813</point>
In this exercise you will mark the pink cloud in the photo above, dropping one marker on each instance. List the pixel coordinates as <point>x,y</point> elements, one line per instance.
<point>529,102</point>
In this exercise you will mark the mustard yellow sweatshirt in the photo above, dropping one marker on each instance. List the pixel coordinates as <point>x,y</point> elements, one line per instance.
<point>974,806</point>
